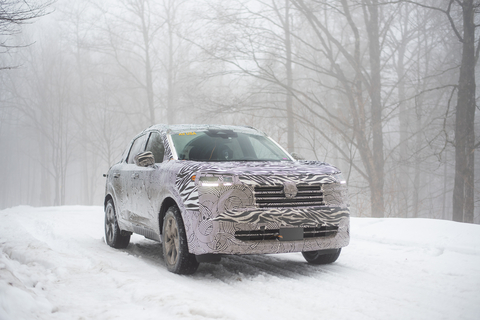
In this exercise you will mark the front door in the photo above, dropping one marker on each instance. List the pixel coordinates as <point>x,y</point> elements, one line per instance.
<point>129,175</point>
<point>148,186</point>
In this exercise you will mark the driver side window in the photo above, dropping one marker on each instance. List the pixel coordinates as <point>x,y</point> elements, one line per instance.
<point>136,148</point>
<point>155,145</point>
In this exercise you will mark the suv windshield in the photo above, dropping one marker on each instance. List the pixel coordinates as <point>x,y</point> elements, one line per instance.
<point>226,145</point>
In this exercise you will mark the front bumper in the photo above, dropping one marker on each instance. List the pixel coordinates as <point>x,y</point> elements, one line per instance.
<point>255,231</point>
<point>233,218</point>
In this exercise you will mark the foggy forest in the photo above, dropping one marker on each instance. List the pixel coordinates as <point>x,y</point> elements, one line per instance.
<point>385,90</point>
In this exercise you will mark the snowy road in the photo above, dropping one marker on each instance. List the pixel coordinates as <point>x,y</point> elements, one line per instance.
<point>55,265</point>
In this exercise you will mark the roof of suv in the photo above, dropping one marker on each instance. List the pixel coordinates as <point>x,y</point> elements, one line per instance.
<point>201,127</point>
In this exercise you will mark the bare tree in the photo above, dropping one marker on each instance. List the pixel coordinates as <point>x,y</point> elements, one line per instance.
<point>42,92</point>
<point>463,193</point>
<point>128,32</point>
<point>464,185</point>
<point>177,57</point>
<point>369,85</point>
<point>15,13</point>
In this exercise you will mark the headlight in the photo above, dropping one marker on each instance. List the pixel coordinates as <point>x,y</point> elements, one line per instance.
<point>339,177</point>
<point>215,181</point>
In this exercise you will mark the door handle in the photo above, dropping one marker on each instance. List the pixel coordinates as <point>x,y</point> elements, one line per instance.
<point>116,175</point>
<point>135,176</point>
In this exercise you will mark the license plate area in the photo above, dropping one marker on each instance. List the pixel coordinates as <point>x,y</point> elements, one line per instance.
<point>290,234</point>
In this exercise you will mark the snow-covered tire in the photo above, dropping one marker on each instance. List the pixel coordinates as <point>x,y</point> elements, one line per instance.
<point>175,246</point>
<point>113,234</point>
<point>322,256</point>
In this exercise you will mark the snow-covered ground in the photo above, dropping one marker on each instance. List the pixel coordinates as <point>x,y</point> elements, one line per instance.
<point>54,264</point>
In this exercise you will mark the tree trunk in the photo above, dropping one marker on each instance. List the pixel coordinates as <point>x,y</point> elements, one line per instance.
<point>170,77</point>
<point>418,148</point>
<point>378,206</point>
<point>463,191</point>
<point>288,65</point>
<point>148,69</point>
<point>445,185</point>
<point>86,198</point>
<point>403,115</point>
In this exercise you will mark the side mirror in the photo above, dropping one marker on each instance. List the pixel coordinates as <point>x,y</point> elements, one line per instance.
<point>297,156</point>
<point>144,159</point>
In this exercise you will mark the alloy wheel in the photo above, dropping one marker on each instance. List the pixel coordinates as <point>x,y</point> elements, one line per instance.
<point>172,243</point>
<point>109,223</point>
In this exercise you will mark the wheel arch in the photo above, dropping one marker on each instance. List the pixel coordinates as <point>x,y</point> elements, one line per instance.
<point>167,203</point>
<point>107,198</point>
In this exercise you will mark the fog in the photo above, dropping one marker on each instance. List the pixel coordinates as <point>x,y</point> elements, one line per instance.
<point>369,86</point>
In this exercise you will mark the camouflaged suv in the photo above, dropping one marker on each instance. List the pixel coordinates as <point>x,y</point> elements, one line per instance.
<point>206,191</point>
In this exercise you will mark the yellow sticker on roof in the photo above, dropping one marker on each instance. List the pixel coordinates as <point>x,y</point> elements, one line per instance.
<point>187,134</point>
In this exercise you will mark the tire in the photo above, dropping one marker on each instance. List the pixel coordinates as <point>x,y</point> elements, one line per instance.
<point>174,243</point>
<point>113,234</point>
<point>322,256</point>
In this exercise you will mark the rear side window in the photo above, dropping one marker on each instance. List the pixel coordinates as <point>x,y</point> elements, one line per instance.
<point>137,147</point>
<point>155,145</point>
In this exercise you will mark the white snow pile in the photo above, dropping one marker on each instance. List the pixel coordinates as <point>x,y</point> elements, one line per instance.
<point>54,264</point>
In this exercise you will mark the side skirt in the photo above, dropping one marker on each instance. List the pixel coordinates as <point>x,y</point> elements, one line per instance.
<point>147,233</point>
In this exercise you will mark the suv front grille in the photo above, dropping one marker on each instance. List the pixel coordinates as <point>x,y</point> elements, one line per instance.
<point>274,197</point>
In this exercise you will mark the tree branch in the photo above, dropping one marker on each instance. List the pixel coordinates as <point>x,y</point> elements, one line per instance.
<point>446,12</point>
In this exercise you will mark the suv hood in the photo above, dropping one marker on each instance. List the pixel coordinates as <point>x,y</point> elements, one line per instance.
<point>283,168</point>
